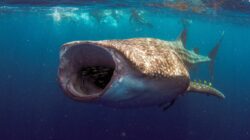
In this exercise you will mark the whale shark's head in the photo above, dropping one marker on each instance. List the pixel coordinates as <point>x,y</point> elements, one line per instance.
<point>89,70</point>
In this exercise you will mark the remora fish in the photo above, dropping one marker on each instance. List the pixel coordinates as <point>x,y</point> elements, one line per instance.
<point>130,73</point>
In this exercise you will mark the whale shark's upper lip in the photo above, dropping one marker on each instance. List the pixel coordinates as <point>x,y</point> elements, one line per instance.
<point>86,70</point>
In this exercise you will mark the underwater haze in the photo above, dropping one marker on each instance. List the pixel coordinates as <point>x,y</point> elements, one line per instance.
<point>33,105</point>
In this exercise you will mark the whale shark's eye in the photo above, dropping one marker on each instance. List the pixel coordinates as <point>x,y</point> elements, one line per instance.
<point>97,76</point>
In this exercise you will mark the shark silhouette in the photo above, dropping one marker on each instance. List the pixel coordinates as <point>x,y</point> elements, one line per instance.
<point>134,72</point>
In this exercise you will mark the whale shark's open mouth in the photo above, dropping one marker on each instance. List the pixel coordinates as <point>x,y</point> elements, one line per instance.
<point>86,70</point>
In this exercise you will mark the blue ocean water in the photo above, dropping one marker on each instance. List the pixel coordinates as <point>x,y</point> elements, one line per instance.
<point>33,106</point>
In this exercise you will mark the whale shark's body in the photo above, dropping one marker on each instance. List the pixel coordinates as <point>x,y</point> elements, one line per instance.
<point>130,73</point>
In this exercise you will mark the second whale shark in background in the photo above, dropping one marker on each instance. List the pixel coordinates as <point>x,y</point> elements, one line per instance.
<point>136,72</point>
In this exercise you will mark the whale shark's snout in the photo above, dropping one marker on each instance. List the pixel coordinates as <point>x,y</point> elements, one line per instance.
<point>86,70</point>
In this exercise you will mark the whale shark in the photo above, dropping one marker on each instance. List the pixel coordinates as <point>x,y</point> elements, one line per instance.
<point>136,72</point>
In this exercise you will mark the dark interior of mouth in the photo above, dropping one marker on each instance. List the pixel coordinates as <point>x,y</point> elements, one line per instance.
<point>90,69</point>
<point>98,76</point>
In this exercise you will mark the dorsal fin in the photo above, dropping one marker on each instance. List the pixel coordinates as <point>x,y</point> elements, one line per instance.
<point>204,89</point>
<point>183,35</point>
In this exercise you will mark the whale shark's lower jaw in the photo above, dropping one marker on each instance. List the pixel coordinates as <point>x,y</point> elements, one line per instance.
<point>86,71</point>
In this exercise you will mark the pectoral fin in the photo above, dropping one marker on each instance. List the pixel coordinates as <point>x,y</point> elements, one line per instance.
<point>204,89</point>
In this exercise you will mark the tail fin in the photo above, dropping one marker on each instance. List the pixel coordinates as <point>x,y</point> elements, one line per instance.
<point>205,89</point>
<point>212,55</point>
